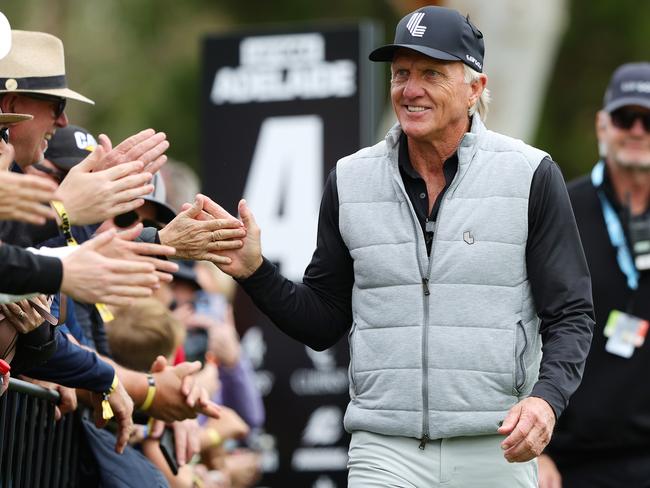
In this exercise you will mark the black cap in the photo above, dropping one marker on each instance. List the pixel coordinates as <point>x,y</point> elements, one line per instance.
<point>69,146</point>
<point>437,32</point>
<point>630,85</point>
<point>186,272</point>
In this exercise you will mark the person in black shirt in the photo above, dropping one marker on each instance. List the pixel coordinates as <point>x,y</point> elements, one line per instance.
<point>603,438</point>
<point>403,256</point>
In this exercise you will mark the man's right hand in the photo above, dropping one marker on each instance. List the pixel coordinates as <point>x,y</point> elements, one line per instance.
<point>243,262</point>
<point>202,239</point>
<point>548,474</point>
<point>90,277</point>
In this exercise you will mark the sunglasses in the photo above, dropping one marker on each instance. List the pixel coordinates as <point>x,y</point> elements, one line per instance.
<point>625,118</point>
<point>129,218</point>
<point>59,101</point>
<point>4,134</point>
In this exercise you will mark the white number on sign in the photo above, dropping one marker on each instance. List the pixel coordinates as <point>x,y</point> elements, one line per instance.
<point>284,188</point>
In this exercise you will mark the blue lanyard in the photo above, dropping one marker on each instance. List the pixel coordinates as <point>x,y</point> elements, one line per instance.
<point>615,229</point>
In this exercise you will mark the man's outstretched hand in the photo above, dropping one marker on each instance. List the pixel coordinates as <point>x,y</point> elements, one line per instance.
<point>241,262</point>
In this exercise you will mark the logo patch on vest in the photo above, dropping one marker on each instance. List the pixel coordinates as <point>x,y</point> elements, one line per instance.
<point>468,237</point>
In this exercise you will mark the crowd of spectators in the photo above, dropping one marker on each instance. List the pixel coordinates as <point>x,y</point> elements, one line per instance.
<point>110,294</point>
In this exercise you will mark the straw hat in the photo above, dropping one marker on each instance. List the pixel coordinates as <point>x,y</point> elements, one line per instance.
<point>36,64</point>
<point>13,118</point>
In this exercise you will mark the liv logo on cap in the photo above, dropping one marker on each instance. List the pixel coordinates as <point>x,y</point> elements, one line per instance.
<point>414,26</point>
<point>5,36</point>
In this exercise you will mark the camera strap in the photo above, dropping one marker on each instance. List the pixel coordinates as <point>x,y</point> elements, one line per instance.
<point>615,229</point>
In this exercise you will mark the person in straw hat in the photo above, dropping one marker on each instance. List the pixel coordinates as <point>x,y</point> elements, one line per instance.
<point>33,81</point>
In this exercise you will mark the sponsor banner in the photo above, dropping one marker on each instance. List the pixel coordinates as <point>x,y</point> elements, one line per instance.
<point>279,108</point>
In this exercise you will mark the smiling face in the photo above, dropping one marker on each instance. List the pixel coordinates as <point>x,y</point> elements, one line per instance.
<point>30,137</point>
<point>626,147</point>
<point>430,97</point>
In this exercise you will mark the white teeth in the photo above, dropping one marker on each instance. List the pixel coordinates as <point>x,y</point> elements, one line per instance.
<point>412,108</point>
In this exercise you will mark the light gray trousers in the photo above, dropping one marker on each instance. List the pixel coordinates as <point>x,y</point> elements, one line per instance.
<point>379,461</point>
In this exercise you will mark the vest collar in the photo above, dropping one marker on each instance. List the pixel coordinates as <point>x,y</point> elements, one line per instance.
<point>468,144</point>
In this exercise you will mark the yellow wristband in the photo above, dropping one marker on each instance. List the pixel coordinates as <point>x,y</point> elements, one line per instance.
<point>107,411</point>
<point>64,225</point>
<point>151,393</point>
<point>215,437</point>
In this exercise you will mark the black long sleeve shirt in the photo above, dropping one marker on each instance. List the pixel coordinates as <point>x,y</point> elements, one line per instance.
<point>318,311</point>
<point>23,272</point>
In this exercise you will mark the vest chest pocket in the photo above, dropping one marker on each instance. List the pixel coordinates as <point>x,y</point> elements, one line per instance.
<point>521,346</point>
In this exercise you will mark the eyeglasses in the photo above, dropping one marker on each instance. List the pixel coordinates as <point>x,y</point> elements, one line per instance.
<point>129,218</point>
<point>59,101</point>
<point>624,118</point>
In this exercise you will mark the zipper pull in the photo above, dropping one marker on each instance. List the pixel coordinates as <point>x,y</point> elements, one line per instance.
<point>423,442</point>
<point>425,285</point>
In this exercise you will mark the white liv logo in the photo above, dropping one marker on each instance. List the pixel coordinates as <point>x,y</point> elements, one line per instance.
<point>414,26</point>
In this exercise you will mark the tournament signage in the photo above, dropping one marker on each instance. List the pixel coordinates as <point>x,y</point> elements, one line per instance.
<point>279,108</point>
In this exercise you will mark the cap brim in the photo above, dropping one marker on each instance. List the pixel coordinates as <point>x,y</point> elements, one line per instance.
<point>66,164</point>
<point>625,102</point>
<point>13,118</point>
<point>164,213</point>
<point>57,92</point>
<point>387,52</point>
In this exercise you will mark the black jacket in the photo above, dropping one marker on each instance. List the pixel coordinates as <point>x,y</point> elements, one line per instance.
<point>609,414</point>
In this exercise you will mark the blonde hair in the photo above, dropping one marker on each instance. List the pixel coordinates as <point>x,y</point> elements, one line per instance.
<point>142,332</point>
<point>482,104</point>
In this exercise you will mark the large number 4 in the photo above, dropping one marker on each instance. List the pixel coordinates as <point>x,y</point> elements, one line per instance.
<point>284,187</point>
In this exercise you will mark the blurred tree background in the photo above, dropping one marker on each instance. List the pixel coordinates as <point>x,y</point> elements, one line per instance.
<point>139,60</point>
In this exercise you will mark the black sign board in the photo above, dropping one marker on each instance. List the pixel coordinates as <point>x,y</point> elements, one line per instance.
<point>279,108</point>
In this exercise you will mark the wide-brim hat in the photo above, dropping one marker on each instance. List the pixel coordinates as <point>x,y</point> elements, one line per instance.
<point>13,118</point>
<point>36,64</point>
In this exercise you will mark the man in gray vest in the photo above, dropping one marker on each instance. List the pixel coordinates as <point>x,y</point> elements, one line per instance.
<point>451,257</point>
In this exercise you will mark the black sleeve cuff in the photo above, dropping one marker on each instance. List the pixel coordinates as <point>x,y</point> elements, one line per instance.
<point>51,277</point>
<point>259,278</point>
<point>554,397</point>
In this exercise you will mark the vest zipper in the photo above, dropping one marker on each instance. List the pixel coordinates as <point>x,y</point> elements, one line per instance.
<point>425,354</point>
<point>423,442</point>
<point>426,293</point>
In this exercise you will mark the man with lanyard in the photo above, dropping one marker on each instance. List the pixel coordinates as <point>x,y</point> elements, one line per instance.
<point>603,438</point>
<point>451,257</point>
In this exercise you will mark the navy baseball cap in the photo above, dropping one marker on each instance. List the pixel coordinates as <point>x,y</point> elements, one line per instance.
<point>69,146</point>
<point>630,85</point>
<point>437,32</point>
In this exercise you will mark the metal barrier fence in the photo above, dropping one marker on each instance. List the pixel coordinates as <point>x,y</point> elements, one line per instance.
<point>35,450</point>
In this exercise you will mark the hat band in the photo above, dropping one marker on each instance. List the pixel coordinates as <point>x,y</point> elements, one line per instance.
<point>33,83</point>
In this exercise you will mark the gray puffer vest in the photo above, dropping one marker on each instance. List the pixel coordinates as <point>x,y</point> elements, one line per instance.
<point>440,346</point>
